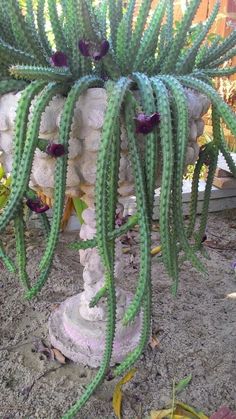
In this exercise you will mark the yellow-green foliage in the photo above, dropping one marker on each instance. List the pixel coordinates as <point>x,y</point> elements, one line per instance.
<point>5,184</point>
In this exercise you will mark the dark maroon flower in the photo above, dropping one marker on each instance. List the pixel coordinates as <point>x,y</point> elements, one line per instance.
<point>91,49</point>
<point>120,220</point>
<point>146,123</point>
<point>36,205</point>
<point>110,375</point>
<point>104,48</point>
<point>59,59</point>
<point>104,75</point>
<point>207,159</point>
<point>55,150</point>
<point>84,47</point>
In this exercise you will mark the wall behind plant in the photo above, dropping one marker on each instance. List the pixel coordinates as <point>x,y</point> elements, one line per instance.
<point>224,22</point>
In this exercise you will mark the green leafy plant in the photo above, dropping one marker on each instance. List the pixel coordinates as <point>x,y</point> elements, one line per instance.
<point>79,206</point>
<point>100,44</point>
<point>5,183</point>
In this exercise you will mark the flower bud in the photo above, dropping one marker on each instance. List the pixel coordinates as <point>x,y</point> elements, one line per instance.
<point>59,59</point>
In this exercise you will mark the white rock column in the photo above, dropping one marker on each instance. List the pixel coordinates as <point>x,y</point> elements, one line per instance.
<point>77,330</point>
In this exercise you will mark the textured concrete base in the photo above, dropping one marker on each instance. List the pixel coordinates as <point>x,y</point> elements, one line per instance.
<point>83,341</point>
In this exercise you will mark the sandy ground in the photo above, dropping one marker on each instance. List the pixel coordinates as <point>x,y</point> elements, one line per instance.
<point>196,333</point>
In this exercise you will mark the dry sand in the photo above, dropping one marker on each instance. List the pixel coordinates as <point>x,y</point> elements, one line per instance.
<point>196,333</point>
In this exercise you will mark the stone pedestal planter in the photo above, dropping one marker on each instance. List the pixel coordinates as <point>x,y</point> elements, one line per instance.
<point>75,328</point>
<point>78,330</point>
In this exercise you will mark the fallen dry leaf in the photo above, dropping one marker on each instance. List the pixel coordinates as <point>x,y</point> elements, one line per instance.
<point>29,248</point>
<point>160,414</point>
<point>128,239</point>
<point>214,244</point>
<point>59,356</point>
<point>126,250</point>
<point>154,342</point>
<point>117,395</point>
<point>40,347</point>
<point>155,227</point>
<point>180,411</point>
<point>54,306</point>
<point>156,250</point>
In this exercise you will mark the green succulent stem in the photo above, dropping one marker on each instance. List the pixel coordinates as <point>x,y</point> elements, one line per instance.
<point>144,221</point>
<point>7,261</point>
<point>60,180</point>
<point>40,73</point>
<point>19,227</point>
<point>22,180</point>
<point>115,234</point>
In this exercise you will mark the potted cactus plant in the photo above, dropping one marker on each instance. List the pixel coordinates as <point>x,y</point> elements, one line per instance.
<point>146,68</point>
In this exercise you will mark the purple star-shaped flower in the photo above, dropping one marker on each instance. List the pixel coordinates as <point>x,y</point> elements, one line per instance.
<point>59,59</point>
<point>36,205</point>
<point>93,50</point>
<point>84,47</point>
<point>207,159</point>
<point>146,123</point>
<point>104,48</point>
<point>55,150</point>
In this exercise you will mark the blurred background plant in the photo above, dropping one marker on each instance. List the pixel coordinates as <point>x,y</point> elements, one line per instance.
<point>5,185</point>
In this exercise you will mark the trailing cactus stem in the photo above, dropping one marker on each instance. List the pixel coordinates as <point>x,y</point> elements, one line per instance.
<point>40,73</point>
<point>115,234</point>
<point>142,206</point>
<point>19,228</point>
<point>60,180</point>
<point>6,259</point>
<point>24,169</point>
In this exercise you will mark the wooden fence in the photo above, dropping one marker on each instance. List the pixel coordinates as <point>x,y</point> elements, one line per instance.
<point>226,15</point>
<point>225,19</point>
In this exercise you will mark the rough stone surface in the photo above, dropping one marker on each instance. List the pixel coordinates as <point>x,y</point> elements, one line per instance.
<point>196,334</point>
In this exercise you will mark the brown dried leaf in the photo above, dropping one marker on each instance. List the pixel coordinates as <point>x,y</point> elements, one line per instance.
<point>126,250</point>
<point>40,347</point>
<point>154,342</point>
<point>54,306</point>
<point>59,356</point>
<point>31,247</point>
<point>214,244</point>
